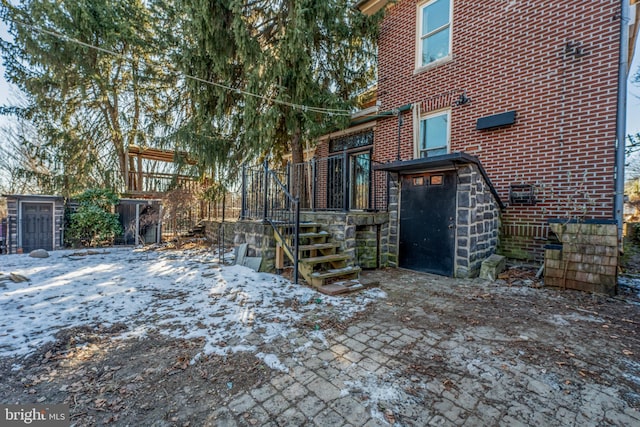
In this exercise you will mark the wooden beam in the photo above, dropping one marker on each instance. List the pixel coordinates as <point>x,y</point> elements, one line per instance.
<point>167,156</point>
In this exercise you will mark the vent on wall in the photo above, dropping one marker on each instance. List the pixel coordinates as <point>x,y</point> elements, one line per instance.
<point>496,120</point>
<point>522,194</point>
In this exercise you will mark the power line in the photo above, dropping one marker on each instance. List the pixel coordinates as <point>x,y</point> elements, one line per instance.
<point>301,107</point>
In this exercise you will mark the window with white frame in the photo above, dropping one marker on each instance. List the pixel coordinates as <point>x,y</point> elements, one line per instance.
<point>434,31</point>
<point>433,134</point>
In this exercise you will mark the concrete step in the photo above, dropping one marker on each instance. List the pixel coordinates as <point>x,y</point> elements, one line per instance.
<point>339,288</point>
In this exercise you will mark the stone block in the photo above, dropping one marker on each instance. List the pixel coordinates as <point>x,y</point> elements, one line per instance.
<point>553,272</point>
<point>553,254</point>
<point>463,216</point>
<point>610,260</point>
<point>553,281</point>
<point>492,267</point>
<point>552,263</point>
<point>39,253</point>
<point>462,272</point>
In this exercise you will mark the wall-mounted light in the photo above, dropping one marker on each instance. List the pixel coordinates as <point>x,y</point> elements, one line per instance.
<point>463,99</point>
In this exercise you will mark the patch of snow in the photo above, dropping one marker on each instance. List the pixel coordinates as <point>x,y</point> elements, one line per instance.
<point>272,361</point>
<point>630,282</point>
<point>180,294</point>
<point>566,319</point>
<point>378,394</point>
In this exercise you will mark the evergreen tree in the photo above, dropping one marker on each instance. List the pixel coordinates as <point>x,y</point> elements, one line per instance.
<point>296,67</point>
<point>87,69</point>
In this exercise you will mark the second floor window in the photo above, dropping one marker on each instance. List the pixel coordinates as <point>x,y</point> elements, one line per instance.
<point>433,138</point>
<point>434,27</point>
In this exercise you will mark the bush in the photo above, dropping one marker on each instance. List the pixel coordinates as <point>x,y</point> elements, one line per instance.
<point>93,223</point>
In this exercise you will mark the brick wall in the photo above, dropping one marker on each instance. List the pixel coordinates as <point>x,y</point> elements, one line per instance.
<point>513,56</point>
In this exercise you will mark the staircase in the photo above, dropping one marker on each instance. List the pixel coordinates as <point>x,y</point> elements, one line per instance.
<point>319,262</point>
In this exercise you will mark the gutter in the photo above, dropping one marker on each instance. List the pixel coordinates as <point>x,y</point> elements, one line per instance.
<point>621,119</point>
<point>390,113</point>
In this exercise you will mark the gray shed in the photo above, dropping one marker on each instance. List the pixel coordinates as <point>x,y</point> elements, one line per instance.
<point>34,222</point>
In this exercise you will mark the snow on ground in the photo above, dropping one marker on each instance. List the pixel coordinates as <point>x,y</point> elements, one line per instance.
<point>633,283</point>
<point>184,294</point>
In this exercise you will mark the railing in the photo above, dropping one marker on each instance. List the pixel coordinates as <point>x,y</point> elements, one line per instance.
<point>160,182</point>
<point>282,210</point>
<point>227,207</point>
<point>338,183</point>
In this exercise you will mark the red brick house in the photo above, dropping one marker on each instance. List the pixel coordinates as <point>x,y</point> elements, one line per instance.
<point>492,118</point>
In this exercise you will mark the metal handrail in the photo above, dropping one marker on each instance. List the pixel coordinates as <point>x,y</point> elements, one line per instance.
<point>287,216</point>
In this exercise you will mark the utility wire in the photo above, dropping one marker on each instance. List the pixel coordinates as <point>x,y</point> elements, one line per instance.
<point>304,108</point>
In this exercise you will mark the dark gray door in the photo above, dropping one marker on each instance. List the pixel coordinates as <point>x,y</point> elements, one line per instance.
<point>427,222</point>
<point>37,226</point>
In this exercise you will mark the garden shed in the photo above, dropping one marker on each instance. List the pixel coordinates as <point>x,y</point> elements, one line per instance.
<point>140,220</point>
<point>34,222</point>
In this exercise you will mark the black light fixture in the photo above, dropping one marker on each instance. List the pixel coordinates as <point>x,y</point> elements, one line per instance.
<point>463,99</point>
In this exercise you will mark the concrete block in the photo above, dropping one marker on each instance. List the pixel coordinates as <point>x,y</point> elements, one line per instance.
<point>241,253</point>
<point>492,267</point>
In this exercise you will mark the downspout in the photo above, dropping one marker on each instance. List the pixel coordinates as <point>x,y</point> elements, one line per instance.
<point>621,120</point>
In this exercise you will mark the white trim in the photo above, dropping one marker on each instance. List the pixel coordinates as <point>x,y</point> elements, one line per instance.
<point>419,66</point>
<point>53,220</point>
<point>441,111</point>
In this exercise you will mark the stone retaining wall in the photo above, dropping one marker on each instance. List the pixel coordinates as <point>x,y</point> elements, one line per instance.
<point>258,237</point>
<point>355,231</point>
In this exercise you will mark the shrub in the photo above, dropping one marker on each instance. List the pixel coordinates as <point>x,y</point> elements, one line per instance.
<point>93,223</point>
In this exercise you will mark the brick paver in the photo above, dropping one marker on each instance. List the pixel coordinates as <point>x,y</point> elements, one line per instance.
<point>456,353</point>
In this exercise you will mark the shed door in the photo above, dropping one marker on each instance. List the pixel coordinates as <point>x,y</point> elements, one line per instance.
<point>427,222</point>
<point>37,226</point>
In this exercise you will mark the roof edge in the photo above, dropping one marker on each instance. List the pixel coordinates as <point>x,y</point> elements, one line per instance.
<point>370,7</point>
<point>440,161</point>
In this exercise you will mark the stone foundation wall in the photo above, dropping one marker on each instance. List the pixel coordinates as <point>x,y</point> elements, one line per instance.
<point>585,258</point>
<point>367,246</point>
<point>258,237</point>
<point>350,230</point>
<point>354,231</point>
<point>392,247</point>
<point>477,224</point>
